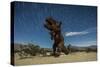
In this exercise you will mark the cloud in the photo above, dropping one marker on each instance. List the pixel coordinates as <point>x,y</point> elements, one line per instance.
<point>81,32</point>
<point>76,33</point>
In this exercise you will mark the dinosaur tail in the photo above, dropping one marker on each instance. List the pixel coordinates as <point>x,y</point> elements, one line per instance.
<point>65,50</point>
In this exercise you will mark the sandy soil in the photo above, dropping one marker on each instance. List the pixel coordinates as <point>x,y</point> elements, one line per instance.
<point>73,57</point>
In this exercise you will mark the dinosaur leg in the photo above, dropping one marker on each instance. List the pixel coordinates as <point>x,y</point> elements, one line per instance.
<point>59,48</point>
<point>58,51</point>
<point>54,49</point>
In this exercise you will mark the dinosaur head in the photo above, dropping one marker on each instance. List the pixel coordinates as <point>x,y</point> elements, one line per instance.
<point>51,24</point>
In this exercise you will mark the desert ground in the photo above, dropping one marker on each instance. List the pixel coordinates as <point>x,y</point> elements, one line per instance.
<point>73,57</point>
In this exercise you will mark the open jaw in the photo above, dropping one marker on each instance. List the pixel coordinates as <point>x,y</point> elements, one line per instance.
<point>51,24</point>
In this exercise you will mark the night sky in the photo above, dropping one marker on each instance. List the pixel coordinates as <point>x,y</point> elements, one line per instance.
<point>79,23</point>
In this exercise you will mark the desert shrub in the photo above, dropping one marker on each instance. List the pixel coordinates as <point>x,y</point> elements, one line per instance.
<point>91,50</point>
<point>33,49</point>
<point>16,51</point>
<point>29,49</point>
<point>43,51</point>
